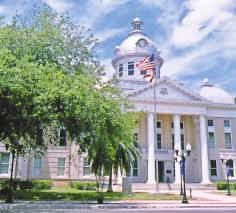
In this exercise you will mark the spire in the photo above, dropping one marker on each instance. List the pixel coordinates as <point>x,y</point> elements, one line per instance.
<point>136,23</point>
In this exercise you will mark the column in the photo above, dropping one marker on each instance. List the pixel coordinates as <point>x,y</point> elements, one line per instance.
<point>177,142</point>
<point>204,150</point>
<point>151,148</point>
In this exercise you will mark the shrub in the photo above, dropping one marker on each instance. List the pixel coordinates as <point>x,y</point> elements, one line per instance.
<point>92,186</point>
<point>224,186</point>
<point>26,184</point>
<point>42,184</point>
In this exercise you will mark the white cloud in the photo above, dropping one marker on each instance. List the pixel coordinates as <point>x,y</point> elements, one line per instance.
<point>203,17</point>
<point>59,5</point>
<point>98,8</point>
<point>108,34</point>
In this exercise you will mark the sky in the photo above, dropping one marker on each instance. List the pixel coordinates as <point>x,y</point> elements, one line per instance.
<point>197,38</point>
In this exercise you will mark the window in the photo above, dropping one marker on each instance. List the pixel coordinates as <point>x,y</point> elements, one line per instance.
<point>86,167</point>
<point>181,125</point>
<point>231,167</point>
<point>211,140</point>
<point>4,163</point>
<point>210,123</point>
<point>182,142</point>
<point>158,124</point>
<point>135,167</point>
<point>226,123</point>
<point>143,72</point>
<point>228,144</point>
<point>36,167</point>
<point>131,68</point>
<point>62,141</point>
<point>120,70</point>
<point>136,137</point>
<point>213,167</point>
<point>61,166</point>
<point>173,141</point>
<point>158,141</point>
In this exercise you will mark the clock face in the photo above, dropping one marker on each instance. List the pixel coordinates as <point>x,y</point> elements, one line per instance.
<point>142,42</point>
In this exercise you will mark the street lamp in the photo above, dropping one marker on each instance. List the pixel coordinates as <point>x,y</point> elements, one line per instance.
<point>183,158</point>
<point>226,162</point>
<point>181,175</point>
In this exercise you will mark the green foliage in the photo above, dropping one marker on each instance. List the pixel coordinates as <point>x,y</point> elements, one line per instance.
<point>42,184</point>
<point>27,184</point>
<point>224,186</point>
<point>91,186</point>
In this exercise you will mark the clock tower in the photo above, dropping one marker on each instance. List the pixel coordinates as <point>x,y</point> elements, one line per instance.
<point>136,47</point>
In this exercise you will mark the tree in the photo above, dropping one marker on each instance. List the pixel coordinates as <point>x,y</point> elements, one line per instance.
<point>49,76</point>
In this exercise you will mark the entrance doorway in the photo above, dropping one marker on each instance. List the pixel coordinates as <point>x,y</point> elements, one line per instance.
<point>160,171</point>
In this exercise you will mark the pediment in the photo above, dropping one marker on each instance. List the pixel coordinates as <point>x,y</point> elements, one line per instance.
<point>167,89</point>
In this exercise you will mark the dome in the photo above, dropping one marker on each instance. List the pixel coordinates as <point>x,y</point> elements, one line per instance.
<point>130,45</point>
<point>136,44</point>
<point>215,94</point>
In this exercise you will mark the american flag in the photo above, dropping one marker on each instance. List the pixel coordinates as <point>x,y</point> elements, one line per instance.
<point>148,64</point>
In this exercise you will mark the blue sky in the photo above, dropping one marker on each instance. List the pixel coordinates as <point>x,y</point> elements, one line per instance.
<point>197,38</point>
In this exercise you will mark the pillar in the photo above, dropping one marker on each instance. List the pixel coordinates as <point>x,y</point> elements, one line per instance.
<point>177,142</point>
<point>204,150</point>
<point>151,148</point>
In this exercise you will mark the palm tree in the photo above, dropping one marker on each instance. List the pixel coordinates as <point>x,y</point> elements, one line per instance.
<point>124,158</point>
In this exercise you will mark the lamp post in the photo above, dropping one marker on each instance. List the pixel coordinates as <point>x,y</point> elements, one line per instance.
<point>183,158</point>
<point>226,162</point>
<point>181,174</point>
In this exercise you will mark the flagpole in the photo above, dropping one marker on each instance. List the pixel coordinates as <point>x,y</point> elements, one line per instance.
<point>155,124</point>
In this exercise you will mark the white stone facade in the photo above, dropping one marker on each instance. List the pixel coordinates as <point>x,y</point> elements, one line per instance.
<point>183,117</point>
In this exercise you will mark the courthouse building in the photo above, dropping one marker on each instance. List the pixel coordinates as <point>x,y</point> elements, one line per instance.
<point>204,118</point>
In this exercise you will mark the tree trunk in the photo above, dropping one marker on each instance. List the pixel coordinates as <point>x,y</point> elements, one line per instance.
<point>110,182</point>
<point>9,194</point>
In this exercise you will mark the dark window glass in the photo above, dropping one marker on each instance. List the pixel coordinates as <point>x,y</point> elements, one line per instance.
<point>182,142</point>
<point>143,72</point>
<point>158,141</point>
<point>130,68</point>
<point>211,140</point>
<point>231,167</point>
<point>120,70</point>
<point>210,123</point>
<point>181,125</point>
<point>158,124</point>
<point>226,123</point>
<point>228,143</point>
<point>62,141</point>
<point>213,168</point>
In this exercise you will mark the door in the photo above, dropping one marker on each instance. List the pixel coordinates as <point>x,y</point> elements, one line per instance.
<point>161,171</point>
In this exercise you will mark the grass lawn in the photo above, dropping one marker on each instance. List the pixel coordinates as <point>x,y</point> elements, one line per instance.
<point>69,194</point>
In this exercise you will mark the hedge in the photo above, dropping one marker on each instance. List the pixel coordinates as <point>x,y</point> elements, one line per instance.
<point>81,185</point>
<point>27,184</point>
<point>223,185</point>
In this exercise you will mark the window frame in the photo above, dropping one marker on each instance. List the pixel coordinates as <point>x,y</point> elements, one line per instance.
<point>231,145</point>
<point>210,142</point>
<point>208,120</point>
<point>213,169</point>
<point>33,169</point>
<point>120,70</point>
<point>130,70</point>
<point>159,143</point>
<point>64,167</point>
<point>3,163</point>
<point>86,166</point>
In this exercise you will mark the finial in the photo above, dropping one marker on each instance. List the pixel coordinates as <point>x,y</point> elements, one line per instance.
<point>137,22</point>
<point>205,80</point>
